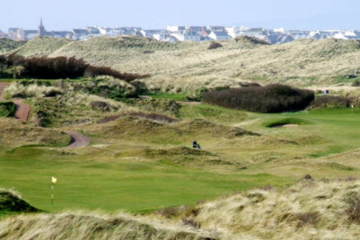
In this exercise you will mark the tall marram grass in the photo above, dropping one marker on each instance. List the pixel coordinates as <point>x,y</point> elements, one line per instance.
<point>95,226</point>
<point>269,99</point>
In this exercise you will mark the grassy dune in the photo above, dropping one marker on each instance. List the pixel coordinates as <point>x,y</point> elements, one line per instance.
<point>176,67</point>
<point>308,210</point>
<point>8,45</point>
<point>138,165</point>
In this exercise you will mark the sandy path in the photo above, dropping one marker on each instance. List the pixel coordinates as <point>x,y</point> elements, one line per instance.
<point>3,85</point>
<point>78,140</point>
<point>23,110</point>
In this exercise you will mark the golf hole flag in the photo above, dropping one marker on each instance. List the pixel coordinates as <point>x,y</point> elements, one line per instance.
<point>53,180</point>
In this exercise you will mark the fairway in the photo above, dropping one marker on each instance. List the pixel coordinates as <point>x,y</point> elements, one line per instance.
<point>101,180</point>
<point>134,187</point>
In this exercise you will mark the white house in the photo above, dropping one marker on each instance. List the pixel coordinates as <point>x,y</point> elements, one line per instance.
<point>80,34</point>
<point>151,33</point>
<point>176,28</point>
<point>219,36</point>
<point>192,36</point>
<point>30,34</point>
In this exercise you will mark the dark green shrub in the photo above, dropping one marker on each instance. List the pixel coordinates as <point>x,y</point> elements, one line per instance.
<point>7,109</point>
<point>356,83</point>
<point>269,99</point>
<point>215,45</point>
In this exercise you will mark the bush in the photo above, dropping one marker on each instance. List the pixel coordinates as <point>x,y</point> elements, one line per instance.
<point>330,102</point>
<point>356,83</point>
<point>252,40</point>
<point>108,87</point>
<point>215,45</point>
<point>93,71</point>
<point>59,67</point>
<point>7,109</point>
<point>269,99</point>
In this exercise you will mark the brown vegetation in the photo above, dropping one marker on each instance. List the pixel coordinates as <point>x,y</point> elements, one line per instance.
<point>269,99</point>
<point>60,67</point>
<point>215,45</point>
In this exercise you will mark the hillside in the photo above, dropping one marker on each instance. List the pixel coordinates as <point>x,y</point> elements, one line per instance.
<point>41,46</point>
<point>8,45</point>
<point>94,226</point>
<point>308,210</point>
<point>176,67</point>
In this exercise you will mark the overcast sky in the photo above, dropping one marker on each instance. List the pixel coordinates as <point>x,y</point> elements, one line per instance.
<point>290,14</point>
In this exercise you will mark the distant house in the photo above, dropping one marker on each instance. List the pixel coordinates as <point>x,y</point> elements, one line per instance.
<point>80,34</point>
<point>192,36</point>
<point>130,31</point>
<point>61,34</point>
<point>175,28</point>
<point>16,34</point>
<point>150,33</point>
<point>30,34</point>
<point>216,28</point>
<point>178,36</point>
<point>3,35</point>
<point>219,36</point>
<point>93,31</point>
<point>218,33</point>
<point>196,29</point>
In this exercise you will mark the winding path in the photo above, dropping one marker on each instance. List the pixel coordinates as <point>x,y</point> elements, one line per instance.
<point>78,140</point>
<point>23,113</point>
<point>23,109</point>
<point>3,85</point>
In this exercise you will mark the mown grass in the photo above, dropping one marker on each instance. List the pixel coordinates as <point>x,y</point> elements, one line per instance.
<point>112,186</point>
<point>110,179</point>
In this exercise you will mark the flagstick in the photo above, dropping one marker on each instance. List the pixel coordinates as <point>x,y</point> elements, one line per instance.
<point>52,188</point>
<point>52,194</point>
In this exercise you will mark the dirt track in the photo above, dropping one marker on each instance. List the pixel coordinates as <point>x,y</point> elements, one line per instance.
<point>78,140</point>
<point>23,111</point>
<point>3,85</point>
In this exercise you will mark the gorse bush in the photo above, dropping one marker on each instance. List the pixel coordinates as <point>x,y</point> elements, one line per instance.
<point>269,99</point>
<point>7,109</point>
<point>215,45</point>
<point>59,67</point>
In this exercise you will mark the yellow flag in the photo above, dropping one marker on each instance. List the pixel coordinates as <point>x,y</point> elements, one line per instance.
<point>53,180</point>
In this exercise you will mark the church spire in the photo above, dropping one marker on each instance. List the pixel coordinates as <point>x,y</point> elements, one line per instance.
<point>42,30</point>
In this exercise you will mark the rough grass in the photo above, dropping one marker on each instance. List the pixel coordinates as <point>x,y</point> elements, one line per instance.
<point>96,226</point>
<point>176,67</point>
<point>293,213</point>
<point>14,134</point>
<point>8,45</point>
